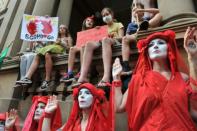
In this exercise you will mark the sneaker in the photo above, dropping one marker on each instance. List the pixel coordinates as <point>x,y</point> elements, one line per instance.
<point>67,77</point>
<point>44,86</point>
<point>24,81</point>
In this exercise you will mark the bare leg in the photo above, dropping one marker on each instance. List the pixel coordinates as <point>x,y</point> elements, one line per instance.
<point>48,66</point>
<point>33,66</point>
<point>155,21</point>
<point>87,59</point>
<point>107,58</point>
<point>126,41</point>
<point>81,54</point>
<point>72,56</point>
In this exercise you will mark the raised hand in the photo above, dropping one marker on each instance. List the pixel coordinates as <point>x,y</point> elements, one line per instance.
<point>116,69</point>
<point>10,119</point>
<point>190,42</point>
<point>51,104</point>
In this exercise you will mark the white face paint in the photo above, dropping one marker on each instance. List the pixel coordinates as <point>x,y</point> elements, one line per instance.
<point>39,110</point>
<point>85,98</point>
<point>107,19</point>
<point>2,125</point>
<point>157,49</point>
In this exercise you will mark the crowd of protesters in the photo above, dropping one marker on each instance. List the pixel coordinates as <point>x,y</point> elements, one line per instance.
<point>161,95</point>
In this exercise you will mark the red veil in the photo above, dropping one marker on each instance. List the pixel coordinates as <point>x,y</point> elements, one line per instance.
<point>98,119</point>
<point>31,125</point>
<point>155,103</point>
<point>16,126</point>
<point>175,59</point>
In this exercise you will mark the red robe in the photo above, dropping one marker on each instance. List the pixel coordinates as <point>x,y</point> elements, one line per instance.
<point>158,104</point>
<point>16,127</point>
<point>99,118</point>
<point>31,125</point>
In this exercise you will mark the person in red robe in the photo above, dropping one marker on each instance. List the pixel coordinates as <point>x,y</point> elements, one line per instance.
<point>9,121</point>
<point>89,112</point>
<point>162,94</point>
<point>34,119</point>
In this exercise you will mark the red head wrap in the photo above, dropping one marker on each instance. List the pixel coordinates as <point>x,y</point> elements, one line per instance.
<point>174,57</point>
<point>98,120</point>
<point>31,125</point>
<point>16,124</point>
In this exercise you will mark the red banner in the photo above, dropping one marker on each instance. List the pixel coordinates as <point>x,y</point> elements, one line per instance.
<point>94,34</point>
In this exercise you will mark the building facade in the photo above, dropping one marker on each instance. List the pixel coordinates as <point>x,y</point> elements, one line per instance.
<point>177,15</point>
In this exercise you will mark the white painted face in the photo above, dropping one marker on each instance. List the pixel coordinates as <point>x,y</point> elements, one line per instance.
<point>157,49</point>
<point>85,98</point>
<point>2,125</point>
<point>39,110</point>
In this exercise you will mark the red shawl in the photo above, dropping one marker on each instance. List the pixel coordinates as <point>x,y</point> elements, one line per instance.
<point>155,103</point>
<point>16,126</point>
<point>98,119</point>
<point>31,125</point>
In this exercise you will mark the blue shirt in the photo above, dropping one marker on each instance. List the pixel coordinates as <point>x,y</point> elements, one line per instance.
<point>132,27</point>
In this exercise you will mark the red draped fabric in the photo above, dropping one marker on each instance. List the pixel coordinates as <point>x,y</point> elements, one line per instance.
<point>98,119</point>
<point>155,103</point>
<point>31,125</point>
<point>16,126</point>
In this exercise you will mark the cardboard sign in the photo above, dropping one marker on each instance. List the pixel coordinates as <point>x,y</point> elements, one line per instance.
<point>39,28</point>
<point>94,34</point>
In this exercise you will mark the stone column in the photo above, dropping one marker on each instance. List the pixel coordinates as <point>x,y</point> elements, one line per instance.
<point>176,11</point>
<point>64,11</point>
<point>15,29</point>
<point>7,21</point>
<point>41,8</point>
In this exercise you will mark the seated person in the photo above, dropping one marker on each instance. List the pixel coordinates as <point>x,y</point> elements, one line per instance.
<point>9,121</point>
<point>89,112</point>
<point>34,119</point>
<point>132,30</point>
<point>64,40</point>
<point>115,34</point>
<point>27,58</point>
<point>88,23</point>
<point>147,4</point>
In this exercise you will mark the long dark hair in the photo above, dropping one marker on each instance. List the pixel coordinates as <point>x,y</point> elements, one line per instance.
<point>67,33</point>
<point>84,22</point>
<point>109,10</point>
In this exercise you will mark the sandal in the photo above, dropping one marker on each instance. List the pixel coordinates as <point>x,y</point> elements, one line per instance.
<point>104,84</point>
<point>76,84</point>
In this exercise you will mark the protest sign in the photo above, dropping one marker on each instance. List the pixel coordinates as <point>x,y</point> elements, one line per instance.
<point>39,28</point>
<point>94,34</point>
